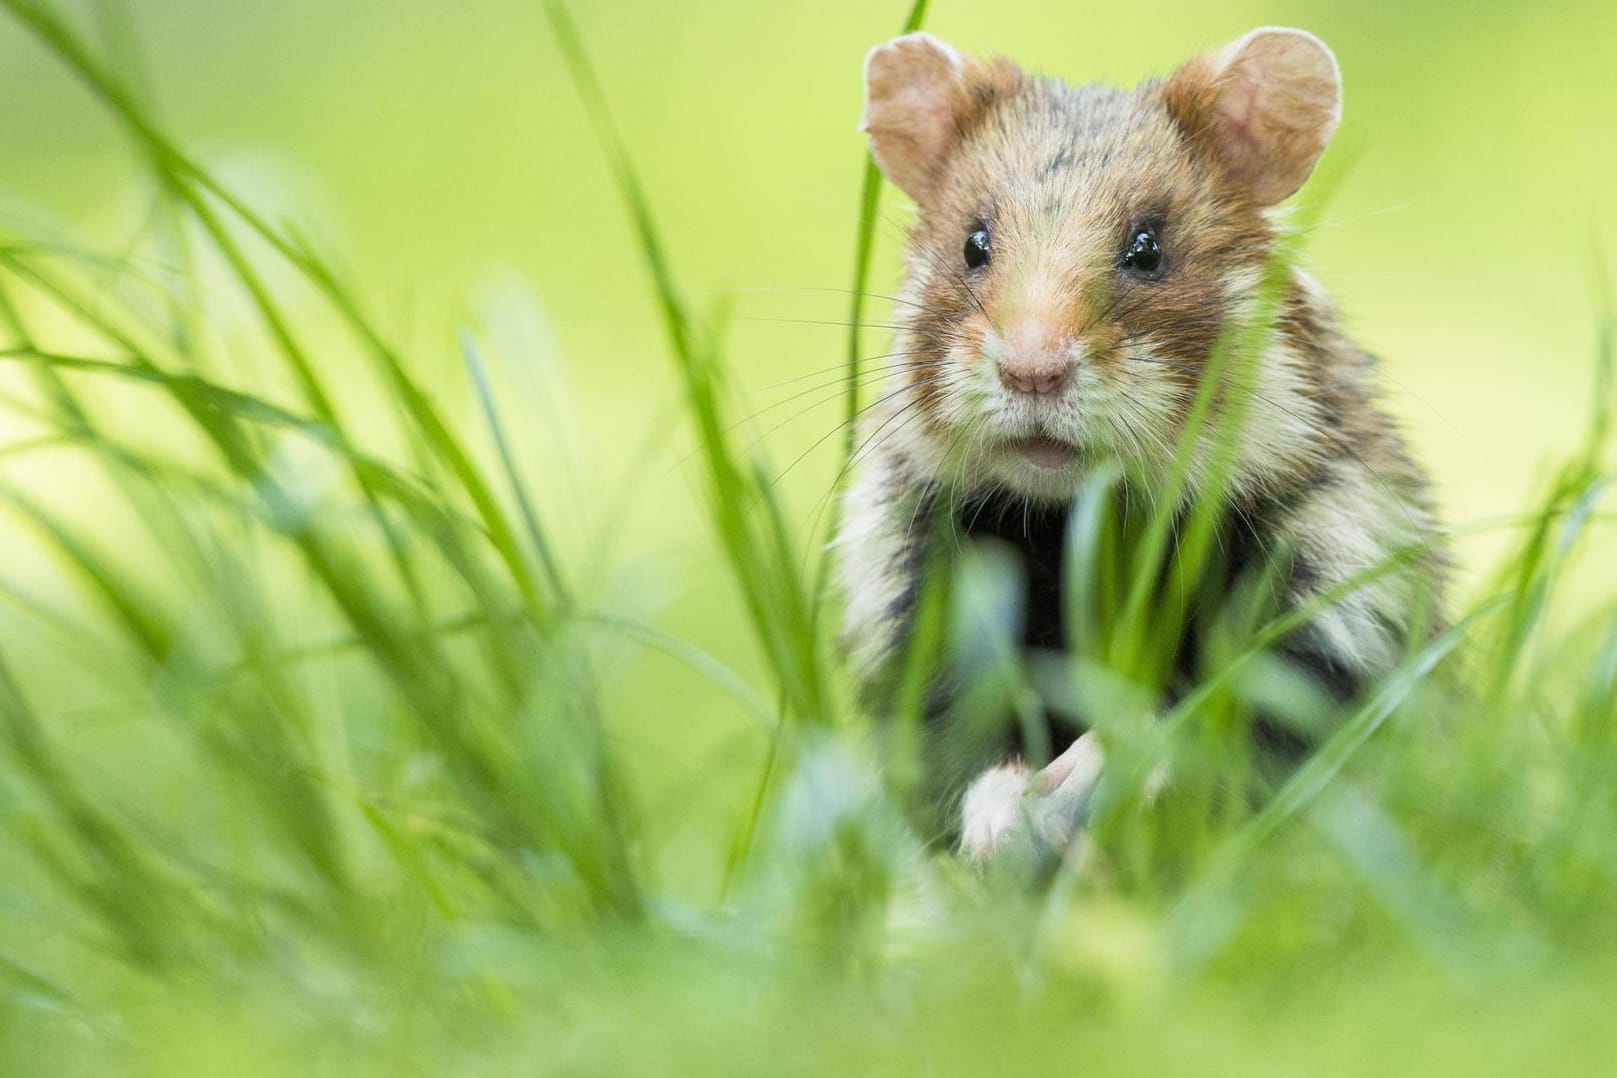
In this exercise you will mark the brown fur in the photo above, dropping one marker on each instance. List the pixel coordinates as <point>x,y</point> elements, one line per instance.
<point>1100,159</point>
<point>1060,177</point>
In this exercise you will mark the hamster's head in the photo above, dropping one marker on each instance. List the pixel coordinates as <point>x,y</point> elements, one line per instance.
<point>1077,251</point>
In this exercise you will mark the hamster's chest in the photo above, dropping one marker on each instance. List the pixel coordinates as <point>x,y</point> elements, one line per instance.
<point>1037,538</point>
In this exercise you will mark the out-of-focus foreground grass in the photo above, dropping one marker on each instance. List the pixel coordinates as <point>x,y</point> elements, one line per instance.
<point>410,665</point>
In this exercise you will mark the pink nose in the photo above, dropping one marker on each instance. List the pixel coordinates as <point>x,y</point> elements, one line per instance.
<point>1036,359</point>
<point>1046,375</point>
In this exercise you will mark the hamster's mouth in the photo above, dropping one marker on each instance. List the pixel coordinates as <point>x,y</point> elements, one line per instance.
<point>1046,453</point>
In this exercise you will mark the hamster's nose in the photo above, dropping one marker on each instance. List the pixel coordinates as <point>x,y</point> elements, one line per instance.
<point>1042,378</point>
<point>1035,359</point>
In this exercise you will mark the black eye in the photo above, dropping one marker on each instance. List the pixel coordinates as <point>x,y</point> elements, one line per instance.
<point>1143,254</point>
<point>977,249</point>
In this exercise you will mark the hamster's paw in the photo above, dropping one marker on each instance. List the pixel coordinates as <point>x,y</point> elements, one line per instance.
<point>991,811</point>
<point>1009,803</point>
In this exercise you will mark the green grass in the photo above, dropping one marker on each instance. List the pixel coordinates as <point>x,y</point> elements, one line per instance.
<point>312,758</point>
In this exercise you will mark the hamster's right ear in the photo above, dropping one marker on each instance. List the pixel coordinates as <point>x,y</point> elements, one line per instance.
<point>1265,106</point>
<point>916,94</point>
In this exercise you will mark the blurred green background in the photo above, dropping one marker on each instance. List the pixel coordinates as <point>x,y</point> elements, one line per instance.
<point>441,150</point>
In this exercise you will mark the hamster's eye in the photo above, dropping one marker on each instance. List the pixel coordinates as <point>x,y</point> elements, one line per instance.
<point>1143,254</point>
<point>977,249</point>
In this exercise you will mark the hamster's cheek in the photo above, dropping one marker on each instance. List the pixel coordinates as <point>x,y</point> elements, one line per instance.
<point>1135,409</point>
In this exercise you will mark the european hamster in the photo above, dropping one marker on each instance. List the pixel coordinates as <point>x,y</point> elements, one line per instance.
<point>1076,253</point>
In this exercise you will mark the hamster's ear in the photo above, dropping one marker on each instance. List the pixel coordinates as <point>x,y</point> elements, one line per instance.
<point>1265,106</point>
<point>915,97</point>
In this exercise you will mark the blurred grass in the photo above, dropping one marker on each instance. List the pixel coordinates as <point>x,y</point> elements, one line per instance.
<point>347,728</point>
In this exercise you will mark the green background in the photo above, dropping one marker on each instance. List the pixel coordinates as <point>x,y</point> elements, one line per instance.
<point>440,150</point>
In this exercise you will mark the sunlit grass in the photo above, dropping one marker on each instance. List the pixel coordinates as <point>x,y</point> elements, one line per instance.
<point>357,797</point>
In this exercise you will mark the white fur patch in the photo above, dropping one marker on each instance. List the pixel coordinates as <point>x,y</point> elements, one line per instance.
<point>991,811</point>
<point>1006,804</point>
<point>1342,530</point>
<point>870,549</point>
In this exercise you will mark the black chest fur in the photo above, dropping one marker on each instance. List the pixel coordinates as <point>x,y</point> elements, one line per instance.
<point>1037,536</point>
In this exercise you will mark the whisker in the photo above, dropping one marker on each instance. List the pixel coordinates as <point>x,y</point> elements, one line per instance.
<point>896,327</point>
<point>837,291</point>
<point>843,367</point>
<point>865,377</point>
<point>911,410</point>
<point>867,408</point>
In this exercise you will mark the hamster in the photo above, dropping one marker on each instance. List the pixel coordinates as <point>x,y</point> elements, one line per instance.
<point>1076,254</point>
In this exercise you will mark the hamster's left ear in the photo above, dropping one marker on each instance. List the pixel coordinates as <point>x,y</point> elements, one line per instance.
<point>1265,106</point>
<point>916,96</point>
